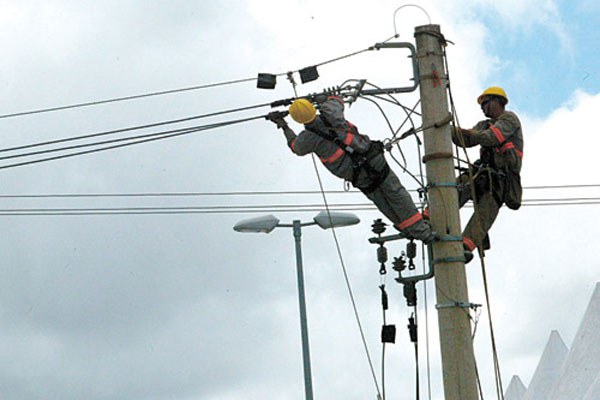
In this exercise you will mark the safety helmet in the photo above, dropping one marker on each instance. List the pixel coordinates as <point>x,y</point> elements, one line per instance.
<point>303,111</point>
<point>493,91</point>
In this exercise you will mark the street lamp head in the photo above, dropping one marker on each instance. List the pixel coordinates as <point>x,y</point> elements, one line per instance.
<point>260,224</point>
<point>334,219</point>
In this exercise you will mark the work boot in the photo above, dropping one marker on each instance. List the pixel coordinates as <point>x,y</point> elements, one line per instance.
<point>486,242</point>
<point>468,256</point>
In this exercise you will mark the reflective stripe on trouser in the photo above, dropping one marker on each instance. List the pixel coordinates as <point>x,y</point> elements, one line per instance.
<point>392,199</point>
<point>469,244</point>
<point>482,219</point>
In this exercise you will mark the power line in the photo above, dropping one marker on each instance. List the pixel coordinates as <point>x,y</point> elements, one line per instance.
<point>245,193</point>
<point>133,128</point>
<point>145,139</point>
<point>117,99</point>
<point>240,209</point>
<point>171,91</point>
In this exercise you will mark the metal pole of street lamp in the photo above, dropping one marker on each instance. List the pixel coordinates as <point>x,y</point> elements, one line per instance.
<point>325,220</point>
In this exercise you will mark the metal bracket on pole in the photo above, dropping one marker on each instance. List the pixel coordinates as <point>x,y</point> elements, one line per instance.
<point>415,67</point>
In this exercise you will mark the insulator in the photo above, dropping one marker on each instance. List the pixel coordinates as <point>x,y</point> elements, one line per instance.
<point>399,264</point>
<point>410,293</point>
<point>378,226</point>
<point>411,249</point>
<point>412,329</point>
<point>382,255</point>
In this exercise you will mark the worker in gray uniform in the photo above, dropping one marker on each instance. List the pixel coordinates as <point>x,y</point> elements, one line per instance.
<point>355,158</point>
<point>496,174</point>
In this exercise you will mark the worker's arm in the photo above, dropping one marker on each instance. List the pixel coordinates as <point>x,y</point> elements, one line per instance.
<point>303,147</point>
<point>333,111</point>
<point>499,132</point>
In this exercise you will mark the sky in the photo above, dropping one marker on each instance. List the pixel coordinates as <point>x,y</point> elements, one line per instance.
<point>177,305</point>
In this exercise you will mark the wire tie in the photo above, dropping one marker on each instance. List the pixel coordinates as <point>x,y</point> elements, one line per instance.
<point>435,156</point>
<point>442,184</point>
<point>450,238</point>
<point>458,304</point>
<point>447,260</point>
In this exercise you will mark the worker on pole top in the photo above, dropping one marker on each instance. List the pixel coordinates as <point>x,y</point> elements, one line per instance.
<point>355,158</point>
<point>496,174</point>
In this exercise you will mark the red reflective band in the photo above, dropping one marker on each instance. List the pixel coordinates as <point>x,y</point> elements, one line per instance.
<point>498,134</point>
<point>519,153</point>
<point>339,152</point>
<point>469,243</point>
<point>511,145</point>
<point>426,213</point>
<point>293,145</point>
<point>336,98</point>
<point>349,138</point>
<point>410,221</point>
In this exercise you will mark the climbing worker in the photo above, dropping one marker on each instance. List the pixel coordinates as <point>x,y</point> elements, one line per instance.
<point>496,174</point>
<point>355,158</point>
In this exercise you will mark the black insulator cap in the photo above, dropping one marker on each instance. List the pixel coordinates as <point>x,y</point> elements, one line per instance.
<point>388,334</point>
<point>412,329</point>
<point>410,294</point>
<point>378,226</point>
<point>266,81</point>
<point>309,74</point>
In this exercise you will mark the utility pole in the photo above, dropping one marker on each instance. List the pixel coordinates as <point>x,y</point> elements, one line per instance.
<point>458,361</point>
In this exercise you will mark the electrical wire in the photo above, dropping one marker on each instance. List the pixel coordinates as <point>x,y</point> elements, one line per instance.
<point>269,193</point>
<point>144,139</point>
<point>173,91</point>
<point>133,128</point>
<point>117,99</point>
<point>214,209</point>
<point>347,280</point>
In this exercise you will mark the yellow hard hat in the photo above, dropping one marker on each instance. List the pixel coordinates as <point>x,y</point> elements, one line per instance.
<point>303,111</point>
<point>493,91</point>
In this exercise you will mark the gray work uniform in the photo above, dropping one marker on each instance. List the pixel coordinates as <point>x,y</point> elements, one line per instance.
<point>388,194</point>
<point>497,172</point>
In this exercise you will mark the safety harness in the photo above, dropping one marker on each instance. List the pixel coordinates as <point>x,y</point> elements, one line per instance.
<point>360,161</point>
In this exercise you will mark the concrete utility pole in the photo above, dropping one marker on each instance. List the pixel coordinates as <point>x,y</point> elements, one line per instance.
<point>458,361</point>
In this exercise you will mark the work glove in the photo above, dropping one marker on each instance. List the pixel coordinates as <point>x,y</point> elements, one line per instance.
<point>277,118</point>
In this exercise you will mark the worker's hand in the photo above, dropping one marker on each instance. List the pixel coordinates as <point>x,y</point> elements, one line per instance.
<point>277,118</point>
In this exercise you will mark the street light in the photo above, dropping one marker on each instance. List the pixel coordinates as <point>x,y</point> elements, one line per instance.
<point>325,220</point>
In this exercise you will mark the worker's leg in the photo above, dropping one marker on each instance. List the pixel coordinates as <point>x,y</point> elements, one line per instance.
<point>481,221</point>
<point>394,201</point>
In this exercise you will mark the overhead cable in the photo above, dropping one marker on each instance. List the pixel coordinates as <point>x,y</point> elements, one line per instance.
<point>131,141</point>
<point>133,128</point>
<point>172,91</point>
<point>139,96</point>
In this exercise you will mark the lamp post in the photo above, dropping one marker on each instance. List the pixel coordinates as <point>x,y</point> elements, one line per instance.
<point>325,220</point>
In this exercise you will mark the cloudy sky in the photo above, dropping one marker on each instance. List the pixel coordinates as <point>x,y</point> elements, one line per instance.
<point>122,277</point>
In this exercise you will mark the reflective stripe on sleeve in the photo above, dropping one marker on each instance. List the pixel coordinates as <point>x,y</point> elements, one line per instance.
<point>410,221</point>
<point>511,145</point>
<point>498,133</point>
